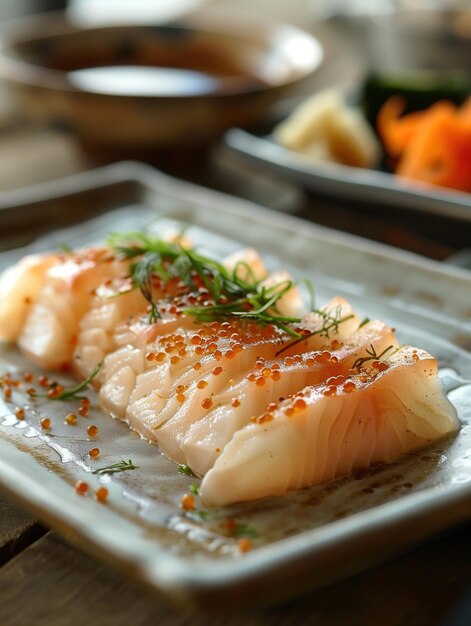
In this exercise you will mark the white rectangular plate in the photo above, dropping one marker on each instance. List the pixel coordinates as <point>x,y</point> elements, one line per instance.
<point>305,539</point>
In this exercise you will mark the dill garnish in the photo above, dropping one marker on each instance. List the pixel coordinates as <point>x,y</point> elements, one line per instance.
<point>71,394</point>
<point>193,488</point>
<point>242,530</point>
<point>372,356</point>
<point>231,295</point>
<point>184,469</point>
<point>330,326</point>
<point>121,466</point>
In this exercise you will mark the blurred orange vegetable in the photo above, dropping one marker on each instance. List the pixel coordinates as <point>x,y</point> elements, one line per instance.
<point>433,146</point>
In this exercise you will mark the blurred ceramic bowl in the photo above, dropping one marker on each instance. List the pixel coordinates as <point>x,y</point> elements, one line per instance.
<point>151,85</point>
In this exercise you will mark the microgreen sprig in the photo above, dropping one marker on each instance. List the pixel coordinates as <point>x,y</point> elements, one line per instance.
<point>330,326</point>
<point>372,356</point>
<point>72,394</point>
<point>121,466</point>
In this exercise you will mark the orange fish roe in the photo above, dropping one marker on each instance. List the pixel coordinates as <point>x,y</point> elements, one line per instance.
<point>230,525</point>
<point>93,453</point>
<point>207,403</point>
<point>217,371</point>
<point>197,366</point>
<point>276,375</point>
<point>324,357</point>
<point>92,430</point>
<point>181,388</point>
<point>382,366</point>
<point>244,544</point>
<point>81,487</point>
<point>349,386</point>
<point>299,404</point>
<point>160,357</point>
<point>7,393</point>
<point>229,354</point>
<point>31,391</point>
<point>150,356</point>
<point>53,393</point>
<point>330,391</point>
<point>237,347</point>
<point>211,347</point>
<point>43,381</point>
<point>266,372</point>
<point>180,397</point>
<point>266,417</point>
<point>235,402</point>
<point>187,502</point>
<point>201,384</point>
<point>335,380</point>
<point>260,381</point>
<point>28,377</point>
<point>19,413</point>
<point>45,423</point>
<point>195,340</point>
<point>101,494</point>
<point>310,362</point>
<point>289,411</point>
<point>174,360</point>
<point>217,355</point>
<point>70,419</point>
<point>83,410</point>
<point>199,350</point>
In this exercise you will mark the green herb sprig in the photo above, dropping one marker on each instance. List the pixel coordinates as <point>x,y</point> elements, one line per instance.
<point>232,296</point>
<point>372,356</point>
<point>330,326</point>
<point>121,466</point>
<point>72,394</point>
<point>185,469</point>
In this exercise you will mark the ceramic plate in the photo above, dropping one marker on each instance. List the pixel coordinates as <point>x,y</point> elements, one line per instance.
<point>302,540</point>
<point>340,181</point>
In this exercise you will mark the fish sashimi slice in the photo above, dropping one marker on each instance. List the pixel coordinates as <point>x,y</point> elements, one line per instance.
<point>101,328</point>
<point>291,303</point>
<point>200,441</point>
<point>20,285</point>
<point>329,430</point>
<point>96,336</point>
<point>50,331</point>
<point>246,264</point>
<point>173,363</point>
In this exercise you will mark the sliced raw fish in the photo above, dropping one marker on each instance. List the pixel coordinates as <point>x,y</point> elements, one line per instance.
<point>50,331</point>
<point>328,430</point>
<point>20,285</point>
<point>200,441</point>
